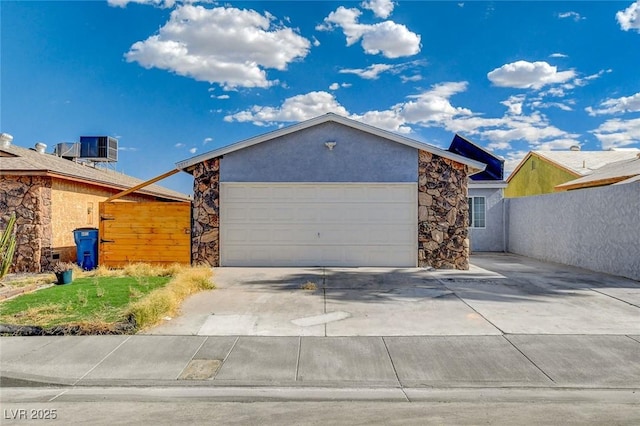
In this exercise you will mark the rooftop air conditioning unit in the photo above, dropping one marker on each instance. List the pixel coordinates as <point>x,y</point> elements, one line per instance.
<point>99,148</point>
<point>67,150</point>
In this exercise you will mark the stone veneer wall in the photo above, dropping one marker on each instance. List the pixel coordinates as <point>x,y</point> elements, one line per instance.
<point>443,213</point>
<point>30,198</point>
<point>205,241</point>
<point>47,212</point>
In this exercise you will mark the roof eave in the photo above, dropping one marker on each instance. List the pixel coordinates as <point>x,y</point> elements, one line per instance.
<point>592,183</point>
<point>487,184</point>
<point>62,176</point>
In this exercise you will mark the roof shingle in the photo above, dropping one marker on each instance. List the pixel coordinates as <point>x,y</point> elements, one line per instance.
<point>15,159</point>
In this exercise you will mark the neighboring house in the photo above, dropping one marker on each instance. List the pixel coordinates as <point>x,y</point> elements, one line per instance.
<point>620,172</point>
<point>52,196</point>
<point>330,191</point>
<point>540,172</point>
<point>486,198</point>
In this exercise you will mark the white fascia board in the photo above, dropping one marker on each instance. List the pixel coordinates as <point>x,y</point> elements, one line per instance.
<point>487,184</point>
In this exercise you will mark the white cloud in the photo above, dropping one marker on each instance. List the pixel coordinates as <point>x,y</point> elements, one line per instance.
<point>557,144</point>
<point>156,3</point>
<point>557,92</point>
<point>127,148</point>
<point>294,109</point>
<point>572,15</point>
<point>193,150</point>
<point>431,108</point>
<point>179,145</point>
<point>512,128</point>
<point>224,45</point>
<point>381,8</point>
<point>410,78</point>
<point>207,140</point>
<point>585,80</point>
<point>499,145</point>
<point>512,159</point>
<point>388,120</point>
<point>433,105</point>
<point>528,75</point>
<point>535,129</point>
<point>514,104</point>
<point>372,72</point>
<point>336,86</point>
<point>387,38</point>
<point>223,97</point>
<point>538,104</point>
<point>558,55</point>
<point>617,105</point>
<point>616,133</point>
<point>629,19</point>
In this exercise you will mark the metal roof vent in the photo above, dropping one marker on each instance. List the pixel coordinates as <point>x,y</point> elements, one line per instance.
<point>575,148</point>
<point>41,147</point>
<point>5,140</point>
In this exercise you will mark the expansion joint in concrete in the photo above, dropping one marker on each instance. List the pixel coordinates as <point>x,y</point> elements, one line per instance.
<point>616,298</point>
<point>386,347</point>
<point>470,307</point>
<point>528,359</point>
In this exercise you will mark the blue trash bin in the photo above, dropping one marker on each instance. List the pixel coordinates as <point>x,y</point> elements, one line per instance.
<point>86,247</point>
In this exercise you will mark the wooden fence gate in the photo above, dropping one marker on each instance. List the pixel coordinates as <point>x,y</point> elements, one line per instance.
<point>149,232</point>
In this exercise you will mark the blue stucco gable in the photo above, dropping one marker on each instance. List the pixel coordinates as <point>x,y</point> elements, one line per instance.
<point>303,156</point>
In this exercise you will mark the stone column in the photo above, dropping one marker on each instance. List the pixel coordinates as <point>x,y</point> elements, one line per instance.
<point>29,197</point>
<point>443,213</point>
<point>205,236</point>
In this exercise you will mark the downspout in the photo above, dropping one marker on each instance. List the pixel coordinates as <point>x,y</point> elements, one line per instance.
<point>505,224</point>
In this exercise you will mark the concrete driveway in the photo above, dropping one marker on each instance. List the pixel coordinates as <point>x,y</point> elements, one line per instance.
<point>500,294</point>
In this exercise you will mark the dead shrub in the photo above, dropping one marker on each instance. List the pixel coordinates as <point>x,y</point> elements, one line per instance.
<point>309,285</point>
<point>166,301</point>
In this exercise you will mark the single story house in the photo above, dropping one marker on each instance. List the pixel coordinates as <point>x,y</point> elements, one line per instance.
<point>330,191</point>
<point>51,196</point>
<point>540,172</point>
<point>620,172</point>
<point>486,197</point>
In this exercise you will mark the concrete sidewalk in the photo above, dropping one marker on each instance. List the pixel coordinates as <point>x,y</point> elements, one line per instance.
<point>413,362</point>
<point>510,329</point>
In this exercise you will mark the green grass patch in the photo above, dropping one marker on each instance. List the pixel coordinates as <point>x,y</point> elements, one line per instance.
<point>97,299</point>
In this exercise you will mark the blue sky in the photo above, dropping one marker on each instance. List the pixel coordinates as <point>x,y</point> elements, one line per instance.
<point>173,79</point>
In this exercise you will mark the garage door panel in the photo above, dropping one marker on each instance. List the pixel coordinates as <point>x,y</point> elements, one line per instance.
<point>328,236</point>
<point>325,224</point>
<point>318,256</point>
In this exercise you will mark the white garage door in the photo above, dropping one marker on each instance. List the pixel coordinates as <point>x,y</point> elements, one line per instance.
<point>298,224</point>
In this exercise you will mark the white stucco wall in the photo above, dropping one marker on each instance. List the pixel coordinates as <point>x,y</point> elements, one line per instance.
<point>597,228</point>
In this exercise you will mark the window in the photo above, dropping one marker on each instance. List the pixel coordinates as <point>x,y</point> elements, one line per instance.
<point>476,212</point>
